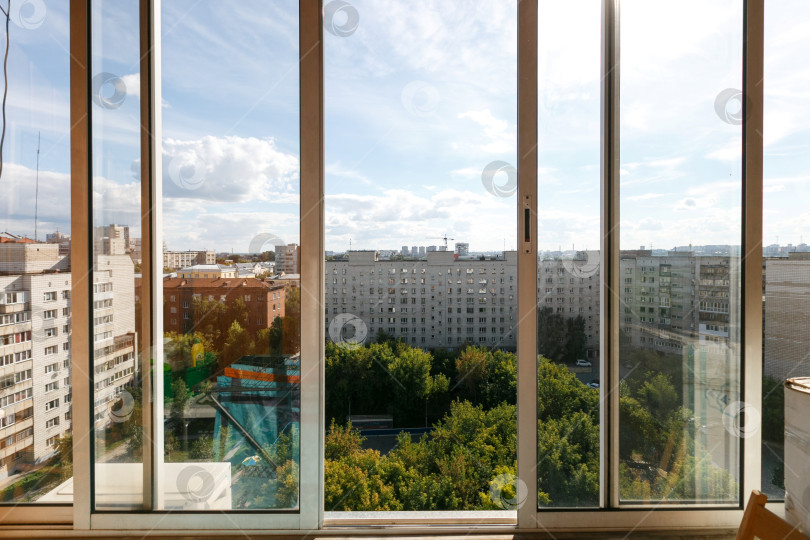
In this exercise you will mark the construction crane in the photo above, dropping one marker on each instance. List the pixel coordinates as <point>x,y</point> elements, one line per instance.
<point>445,238</point>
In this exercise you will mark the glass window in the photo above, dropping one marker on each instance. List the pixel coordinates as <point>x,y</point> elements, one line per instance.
<point>568,183</point>
<point>679,434</point>
<point>420,150</point>
<point>231,387</point>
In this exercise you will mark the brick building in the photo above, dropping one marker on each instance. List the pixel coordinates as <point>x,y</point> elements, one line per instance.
<point>264,301</point>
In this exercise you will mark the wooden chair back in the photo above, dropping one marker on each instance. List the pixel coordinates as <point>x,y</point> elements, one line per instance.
<point>759,522</point>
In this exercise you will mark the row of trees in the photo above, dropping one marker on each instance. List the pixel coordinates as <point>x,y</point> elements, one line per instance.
<point>471,448</point>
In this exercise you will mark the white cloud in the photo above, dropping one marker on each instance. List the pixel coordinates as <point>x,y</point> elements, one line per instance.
<point>228,169</point>
<point>501,138</point>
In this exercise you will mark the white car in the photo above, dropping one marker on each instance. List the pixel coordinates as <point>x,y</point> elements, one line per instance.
<point>584,363</point>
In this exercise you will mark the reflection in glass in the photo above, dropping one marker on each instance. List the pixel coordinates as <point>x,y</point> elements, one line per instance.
<point>118,364</point>
<point>36,452</point>
<point>680,413</point>
<point>231,287</point>
<point>786,269</point>
<point>568,254</point>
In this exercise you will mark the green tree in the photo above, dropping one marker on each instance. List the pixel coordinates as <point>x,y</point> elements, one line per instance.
<point>551,334</point>
<point>237,345</point>
<point>177,414</point>
<point>202,449</point>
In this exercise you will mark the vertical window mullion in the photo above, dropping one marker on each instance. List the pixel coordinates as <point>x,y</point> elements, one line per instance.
<point>151,342</point>
<point>80,246</point>
<point>311,109</point>
<point>752,172</point>
<point>610,286</point>
<point>527,262</point>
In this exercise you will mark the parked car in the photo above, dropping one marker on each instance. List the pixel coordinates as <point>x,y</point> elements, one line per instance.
<point>594,383</point>
<point>584,363</point>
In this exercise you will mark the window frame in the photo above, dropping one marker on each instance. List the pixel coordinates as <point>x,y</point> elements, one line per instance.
<point>612,515</point>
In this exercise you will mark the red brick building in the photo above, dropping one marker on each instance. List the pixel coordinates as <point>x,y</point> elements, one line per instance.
<point>264,301</point>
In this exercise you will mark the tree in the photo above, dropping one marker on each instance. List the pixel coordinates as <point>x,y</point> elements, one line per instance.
<point>412,385</point>
<point>471,372</point>
<point>178,409</point>
<point>64,455</point>
<point>551,334</point>
<point>574,347</point>
<point>237,344</point>
<point>202,449</point>
<point>291,325</point>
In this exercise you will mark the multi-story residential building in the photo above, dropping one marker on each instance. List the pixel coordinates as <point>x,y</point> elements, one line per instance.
<point>208,271</point>
<point>114,338</point>
<point>668,302</point>
<point>432,302</point>
<point>287,261</point>
<point>264,301</point>
<point>35,362</point>
<point>111,239</point>
<point>462,249</point>
<point>173,260</point>
<point>570,288</point>
<point>787,310</point>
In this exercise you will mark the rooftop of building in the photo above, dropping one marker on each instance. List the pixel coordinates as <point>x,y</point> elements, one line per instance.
<point>223,283</point>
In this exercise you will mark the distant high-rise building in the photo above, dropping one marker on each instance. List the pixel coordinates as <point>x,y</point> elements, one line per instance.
<point>288,262</point>
<point>405,251</point>
<point>421,251</point>
<point>111,239</point>
<point>174,260</point>
<point>462,249</point>
<point>414,251</point>
<point>431,248</point>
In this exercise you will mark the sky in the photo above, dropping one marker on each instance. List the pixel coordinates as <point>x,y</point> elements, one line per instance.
<point>420,126</point>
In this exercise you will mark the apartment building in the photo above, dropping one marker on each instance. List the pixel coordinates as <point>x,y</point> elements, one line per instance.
<point>208,271</point>
<point>111,239</point>
<point>570,288</point>
<point>264,301</point>
<point>114,338</point>
<point>35,334</point>
<point>174,260</point>
<point>787,310</point>
<point>288,259</point>
<point>432,302</point>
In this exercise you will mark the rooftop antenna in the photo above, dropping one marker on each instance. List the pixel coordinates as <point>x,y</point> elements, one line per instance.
<point>36,194</point>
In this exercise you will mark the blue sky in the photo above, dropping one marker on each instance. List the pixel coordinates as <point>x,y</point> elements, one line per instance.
<point>420,99</point>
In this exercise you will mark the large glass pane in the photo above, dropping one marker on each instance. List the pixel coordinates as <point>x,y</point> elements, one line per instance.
<point>421,267</point>
<point>568,253</point>
<point>118,364</point>
<point>681,415</point>
<point>231,231</point>
<point>785,224</point>
<point>35,281</point>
